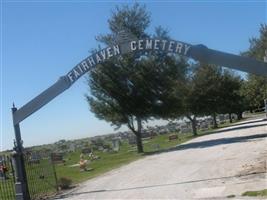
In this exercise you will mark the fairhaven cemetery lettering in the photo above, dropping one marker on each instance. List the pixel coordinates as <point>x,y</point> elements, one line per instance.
<point>168,46</point>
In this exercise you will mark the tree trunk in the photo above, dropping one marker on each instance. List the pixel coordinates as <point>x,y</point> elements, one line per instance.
<point>193,124</point>
<point>230,118</point>
<point>239,116</point>
<point>215,125</point>
<point>139,136</point>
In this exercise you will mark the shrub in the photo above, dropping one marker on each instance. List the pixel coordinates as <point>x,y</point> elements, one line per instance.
<point>64,183</point>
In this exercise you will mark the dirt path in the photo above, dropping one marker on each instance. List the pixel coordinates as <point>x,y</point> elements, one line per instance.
<point>229,162</point>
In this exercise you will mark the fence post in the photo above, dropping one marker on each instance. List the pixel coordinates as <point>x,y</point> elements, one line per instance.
<point>21,185</point>
<point>265,108</point>
<point>54,171</point>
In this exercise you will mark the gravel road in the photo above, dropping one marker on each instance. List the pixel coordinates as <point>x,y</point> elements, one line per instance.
<point>214,166</point>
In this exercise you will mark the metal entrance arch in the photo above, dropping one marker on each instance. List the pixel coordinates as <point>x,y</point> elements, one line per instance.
<point>126,44</point>
<point>197,52</point>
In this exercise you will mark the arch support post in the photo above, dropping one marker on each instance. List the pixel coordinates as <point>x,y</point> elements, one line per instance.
<point>21,184</point>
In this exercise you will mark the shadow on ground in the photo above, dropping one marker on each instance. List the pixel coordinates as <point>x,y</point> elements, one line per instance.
<point>156,185</point>
<point>247,122</point>
<point>220,141</point>
<point>210,143</point>
<point>240,126</point>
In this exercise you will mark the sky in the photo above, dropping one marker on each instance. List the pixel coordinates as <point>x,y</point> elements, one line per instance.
<point>43,40</point>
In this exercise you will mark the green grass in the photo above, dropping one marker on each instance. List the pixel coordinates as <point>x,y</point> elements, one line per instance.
<point>262,193</point>
<point>7,190</point>
<point>41,179</point>
<point>107,161</point>
<point>231,196</point>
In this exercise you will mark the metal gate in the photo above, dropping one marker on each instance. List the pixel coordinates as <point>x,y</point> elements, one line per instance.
<point>7,178</point>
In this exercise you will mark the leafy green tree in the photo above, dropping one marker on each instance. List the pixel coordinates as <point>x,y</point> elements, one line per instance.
<point>255,91</point>
<point>255,87</point>
<point>204,98</point>
<point>189,108</point>
<point>130,90</point>
<point>232,100</point>
<point>211,90</point>
<point>258,46</point>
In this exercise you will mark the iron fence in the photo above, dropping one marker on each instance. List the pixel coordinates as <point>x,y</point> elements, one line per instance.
<point>7,178</point>
<point>41,175</point>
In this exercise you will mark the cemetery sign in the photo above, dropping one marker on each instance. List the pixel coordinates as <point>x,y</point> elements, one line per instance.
<point>129,44</point>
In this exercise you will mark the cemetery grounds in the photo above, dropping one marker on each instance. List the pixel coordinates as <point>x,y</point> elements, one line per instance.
<point>107,160</point>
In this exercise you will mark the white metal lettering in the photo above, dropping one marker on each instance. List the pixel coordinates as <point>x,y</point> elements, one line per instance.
<point>156,44</point>
<point>179,47</point>
<point>149,44</point>
<point>140,44</point>
<point>133,45</point>
<point>170,46</point>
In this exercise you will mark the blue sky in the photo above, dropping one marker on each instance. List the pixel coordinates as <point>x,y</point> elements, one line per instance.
<point>43,40</point>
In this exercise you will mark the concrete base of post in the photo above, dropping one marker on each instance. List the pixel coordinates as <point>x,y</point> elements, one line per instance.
<point>21,192</point>
<point>18,191</point>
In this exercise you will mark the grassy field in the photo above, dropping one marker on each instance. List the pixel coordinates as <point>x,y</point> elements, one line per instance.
<point>106,162</point>
<point>41,179</point>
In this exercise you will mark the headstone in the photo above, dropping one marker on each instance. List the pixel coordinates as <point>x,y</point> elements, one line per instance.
<point>265,100</point>
<point>185,130</point>
<point>173,137</point>
<point>86,150</point>
<point>32,157</point>
<point>153,134</point>
<point>155,147</point>
<point>106,146</point>
<point>145,135</point>
<point>132,141</point>
<point>57,157</point>
<point>72,147</point>
<point>105,150</point>
<point>100,148</point>
<point>221,119</point>
<point>234,116</point>
<point>204,125</point>
<point>116,144</point>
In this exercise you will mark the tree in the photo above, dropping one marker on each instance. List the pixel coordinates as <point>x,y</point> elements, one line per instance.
<point>232,100</point>
<point>258,45</point>
<point>132,89</point>
<point>204,97</point>
<point>255,87</point>
<point>188,104</point>
<point>255,91</point>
